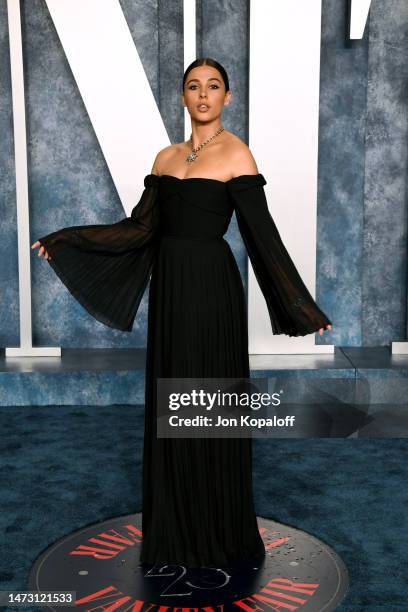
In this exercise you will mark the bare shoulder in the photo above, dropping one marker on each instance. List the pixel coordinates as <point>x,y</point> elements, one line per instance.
<point>162,157</point>
<point>241,159</point>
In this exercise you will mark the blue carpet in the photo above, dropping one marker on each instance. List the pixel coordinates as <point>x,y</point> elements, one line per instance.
<point>65,467</point>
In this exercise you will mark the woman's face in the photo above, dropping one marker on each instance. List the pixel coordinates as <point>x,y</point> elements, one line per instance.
<point>204,86</point>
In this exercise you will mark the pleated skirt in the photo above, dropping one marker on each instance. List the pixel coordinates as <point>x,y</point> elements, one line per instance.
<point>198,507</point>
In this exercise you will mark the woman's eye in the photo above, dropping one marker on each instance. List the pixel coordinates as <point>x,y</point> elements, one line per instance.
<point>194,86</point>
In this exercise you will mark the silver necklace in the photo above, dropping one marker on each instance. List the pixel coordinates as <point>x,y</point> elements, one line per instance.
<point>193,155</point>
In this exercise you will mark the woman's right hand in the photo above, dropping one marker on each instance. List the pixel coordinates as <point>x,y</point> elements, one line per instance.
<point>42,250</point>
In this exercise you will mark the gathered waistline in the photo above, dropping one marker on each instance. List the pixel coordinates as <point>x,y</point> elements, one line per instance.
<point>198,238</point>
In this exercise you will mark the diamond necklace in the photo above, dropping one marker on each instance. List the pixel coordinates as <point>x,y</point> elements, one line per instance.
<point>193,155</point>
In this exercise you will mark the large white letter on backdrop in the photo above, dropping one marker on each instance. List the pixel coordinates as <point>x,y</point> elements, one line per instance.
<point>283,134</point>
<point>117,95</point>
<point>358,17</point>
<point>114,87</point>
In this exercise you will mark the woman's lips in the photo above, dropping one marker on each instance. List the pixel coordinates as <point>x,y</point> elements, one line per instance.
<point>203,108</point>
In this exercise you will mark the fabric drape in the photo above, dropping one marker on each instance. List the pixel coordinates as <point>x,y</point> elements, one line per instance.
<point>107,267</point>
<point>292,309</point>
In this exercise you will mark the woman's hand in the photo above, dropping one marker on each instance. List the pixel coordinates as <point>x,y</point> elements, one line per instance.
<point>321,330</point>
<point>41,251</point>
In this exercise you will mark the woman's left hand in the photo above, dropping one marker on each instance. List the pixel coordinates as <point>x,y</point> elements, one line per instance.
<point>321,330</point>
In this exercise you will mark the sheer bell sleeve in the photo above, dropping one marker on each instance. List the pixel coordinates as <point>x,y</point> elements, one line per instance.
<point>292,309</point>
<point>107,267</point>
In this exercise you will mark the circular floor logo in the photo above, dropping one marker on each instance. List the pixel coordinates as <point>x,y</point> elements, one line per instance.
<point>101,565</point>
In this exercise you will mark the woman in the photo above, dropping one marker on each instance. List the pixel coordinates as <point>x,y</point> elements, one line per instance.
<point>197,493</point>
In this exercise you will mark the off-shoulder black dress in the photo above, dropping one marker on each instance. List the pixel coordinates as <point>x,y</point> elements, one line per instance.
<point>197,493</point>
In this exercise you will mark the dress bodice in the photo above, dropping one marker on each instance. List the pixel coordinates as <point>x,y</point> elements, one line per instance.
<point>193,207</point>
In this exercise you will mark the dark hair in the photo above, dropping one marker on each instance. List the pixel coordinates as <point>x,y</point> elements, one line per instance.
<point>202,61</point>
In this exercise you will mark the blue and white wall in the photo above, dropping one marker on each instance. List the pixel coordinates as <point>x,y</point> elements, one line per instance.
<point>362,173</point>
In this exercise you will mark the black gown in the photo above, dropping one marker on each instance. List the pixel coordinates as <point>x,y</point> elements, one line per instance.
<point>198,505</point>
